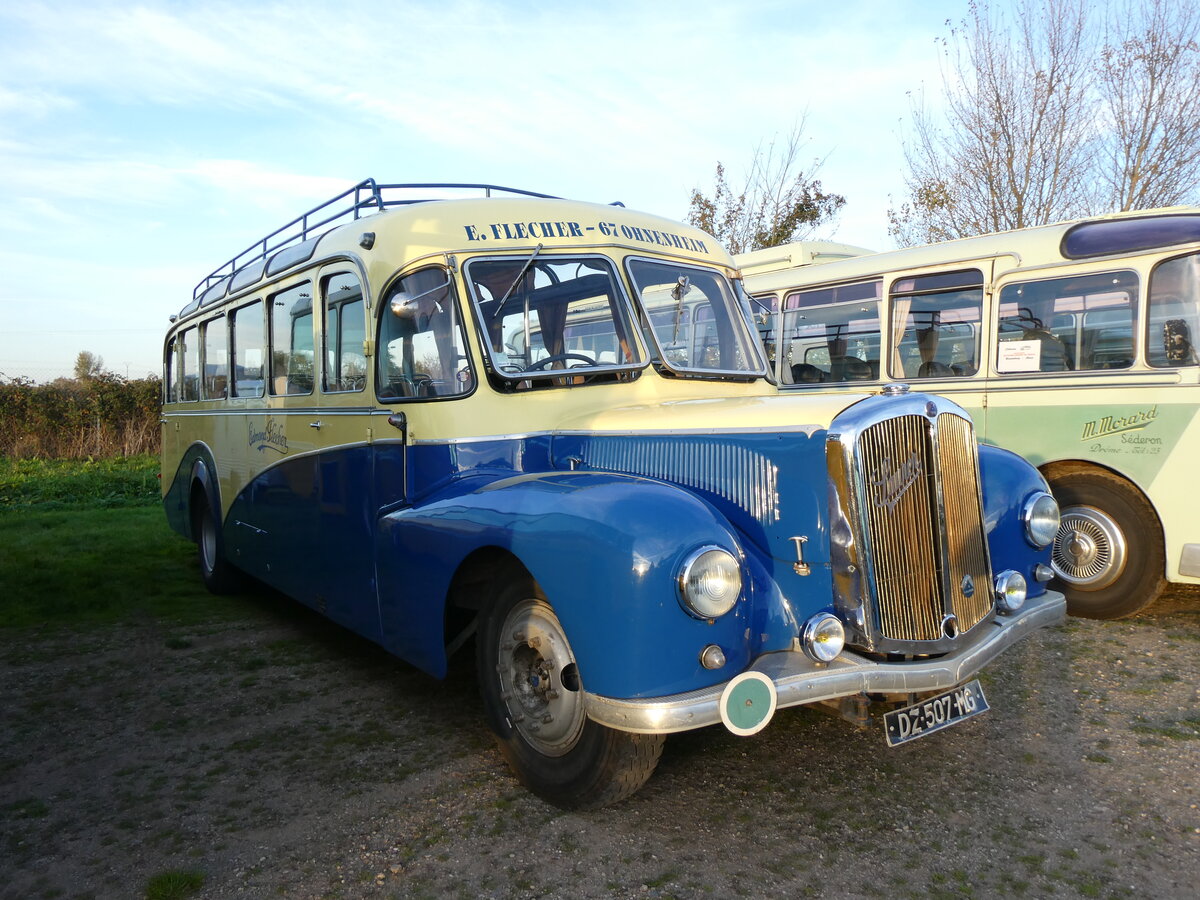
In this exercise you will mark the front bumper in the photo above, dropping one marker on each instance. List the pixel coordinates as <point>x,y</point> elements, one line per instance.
<point>799,680</point>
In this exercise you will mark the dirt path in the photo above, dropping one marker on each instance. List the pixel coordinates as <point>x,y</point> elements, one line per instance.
<point>280,756</point>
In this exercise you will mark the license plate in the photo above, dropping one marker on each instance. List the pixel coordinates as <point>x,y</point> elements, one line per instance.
<point>934,714</point>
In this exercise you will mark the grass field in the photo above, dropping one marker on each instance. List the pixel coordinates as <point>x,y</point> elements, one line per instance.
<point>45,484</point>
<point>85,542</point>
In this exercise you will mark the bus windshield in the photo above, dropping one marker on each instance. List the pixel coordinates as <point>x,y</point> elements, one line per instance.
<point>543,315</point>
<point>694,320</point>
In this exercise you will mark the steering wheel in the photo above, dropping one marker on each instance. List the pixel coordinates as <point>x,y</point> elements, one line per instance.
<point>558,357</point>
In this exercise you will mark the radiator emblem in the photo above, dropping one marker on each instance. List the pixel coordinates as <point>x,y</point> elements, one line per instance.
<point>891,483</point>
<point>968,586</point>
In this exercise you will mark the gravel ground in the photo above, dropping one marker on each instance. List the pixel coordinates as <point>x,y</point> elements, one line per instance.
<point>280,756</point>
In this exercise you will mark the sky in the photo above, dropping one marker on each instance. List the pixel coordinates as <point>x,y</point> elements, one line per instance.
<point>144,144</point>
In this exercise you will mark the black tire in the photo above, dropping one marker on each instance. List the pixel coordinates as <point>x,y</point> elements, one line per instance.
<point>1108,554</point>
<point>533,697</point>
<point>220,576</point>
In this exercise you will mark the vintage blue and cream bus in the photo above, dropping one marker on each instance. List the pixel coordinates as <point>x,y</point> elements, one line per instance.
<point>1072,344</point>
<point>547,427</point>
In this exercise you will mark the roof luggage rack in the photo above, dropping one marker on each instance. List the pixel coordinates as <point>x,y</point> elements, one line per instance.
<point>366,197</point>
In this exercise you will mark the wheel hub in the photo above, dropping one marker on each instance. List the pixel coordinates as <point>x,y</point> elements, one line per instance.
<point>537,679</point>
<point>1089,550</point>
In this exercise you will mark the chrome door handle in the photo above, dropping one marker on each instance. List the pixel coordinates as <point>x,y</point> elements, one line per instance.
<point>317,424</point>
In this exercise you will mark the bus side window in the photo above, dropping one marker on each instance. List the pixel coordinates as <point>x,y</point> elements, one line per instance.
<point>216,359</point>
<point>1067,324</point>
<point>935,324</point>
<point>831,334</point>
<point>189,365</point>
<point>343,333</point>
<point>1173,325</point>
<point>249,342</point>
<point>422,352</point>
<point>292,341</point>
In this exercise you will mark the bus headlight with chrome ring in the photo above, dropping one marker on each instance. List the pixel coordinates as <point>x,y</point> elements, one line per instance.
<point>824,637</point>
<point>1010,591</point>
<point>1041,517</point>
<point>710,582</point>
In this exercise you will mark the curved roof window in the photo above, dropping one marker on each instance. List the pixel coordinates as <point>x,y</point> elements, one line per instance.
<point>1112,236</point>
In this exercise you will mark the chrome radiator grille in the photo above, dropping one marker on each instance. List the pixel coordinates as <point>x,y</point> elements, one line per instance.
<point>922,527</point>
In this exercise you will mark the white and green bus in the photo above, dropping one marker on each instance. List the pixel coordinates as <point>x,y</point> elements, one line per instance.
<point>1071,344</point>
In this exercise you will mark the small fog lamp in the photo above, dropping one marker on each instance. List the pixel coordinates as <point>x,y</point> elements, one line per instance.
<point>710,582</point>
<point>1010,591</point>
<point>712,657</point>
<point>824,637</point>
<point>1041,519</point>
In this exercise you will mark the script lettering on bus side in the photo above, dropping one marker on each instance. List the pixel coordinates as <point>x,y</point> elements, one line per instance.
<point>513,231</point>
<point>1107,425</point>
<point>270,437</point>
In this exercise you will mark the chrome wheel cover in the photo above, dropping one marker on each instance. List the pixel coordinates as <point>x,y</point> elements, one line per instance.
<point>539,682</point>
<point>1089,550</point>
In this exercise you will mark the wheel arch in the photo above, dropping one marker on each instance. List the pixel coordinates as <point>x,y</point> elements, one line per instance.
<point>1109,555</point>
<point>1061,468</point>
<point>604,548</point>
<point>202,484</point>
<point>473,589</point>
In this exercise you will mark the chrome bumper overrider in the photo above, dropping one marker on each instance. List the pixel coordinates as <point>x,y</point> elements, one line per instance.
<point>799,680</point>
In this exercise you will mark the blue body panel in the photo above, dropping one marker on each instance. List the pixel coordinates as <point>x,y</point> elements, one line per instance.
<point>1008,481</point>
<point>372,535</point>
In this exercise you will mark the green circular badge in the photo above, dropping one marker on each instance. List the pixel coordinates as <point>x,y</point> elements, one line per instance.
<point>748,703</point>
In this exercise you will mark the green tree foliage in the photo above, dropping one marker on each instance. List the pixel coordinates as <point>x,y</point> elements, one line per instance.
<point>103,415</point>
<point>1069,109</point>
<point>780,201</point>
<point>88,365</point>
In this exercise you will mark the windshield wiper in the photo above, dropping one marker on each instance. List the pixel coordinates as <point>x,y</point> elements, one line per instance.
<point>512,287</point>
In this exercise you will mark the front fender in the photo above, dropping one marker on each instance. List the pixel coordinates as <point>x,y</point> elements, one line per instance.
<point>1008,482</point>
<point>605,548</point>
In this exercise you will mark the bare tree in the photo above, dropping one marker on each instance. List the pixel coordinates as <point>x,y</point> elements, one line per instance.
<point>1149,84</point>
<point>780,201</point>
<point>1070,111</point>
<point>1016,146</point>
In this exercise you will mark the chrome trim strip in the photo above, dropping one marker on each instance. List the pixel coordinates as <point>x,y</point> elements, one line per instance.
<point>807,430</point>
<point>799,680</point>
<point>280,411</point>
<point>1004,382</point>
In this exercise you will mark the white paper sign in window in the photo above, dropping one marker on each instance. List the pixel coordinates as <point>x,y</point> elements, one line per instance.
<point>1019,356</point>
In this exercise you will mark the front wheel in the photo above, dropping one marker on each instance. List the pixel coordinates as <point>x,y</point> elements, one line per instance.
<point>1108,553</point>
<point>534,700</point>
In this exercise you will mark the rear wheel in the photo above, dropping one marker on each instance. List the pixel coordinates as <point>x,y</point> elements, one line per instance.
<point>534,700</point>
<point>1108,553</point>
<point>219,575</point>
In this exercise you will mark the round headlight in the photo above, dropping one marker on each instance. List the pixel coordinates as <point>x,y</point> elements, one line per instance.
<point>1010,591</point>
<point>710,582</point>
<point>1041,519</point>
<point>824,637</point>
